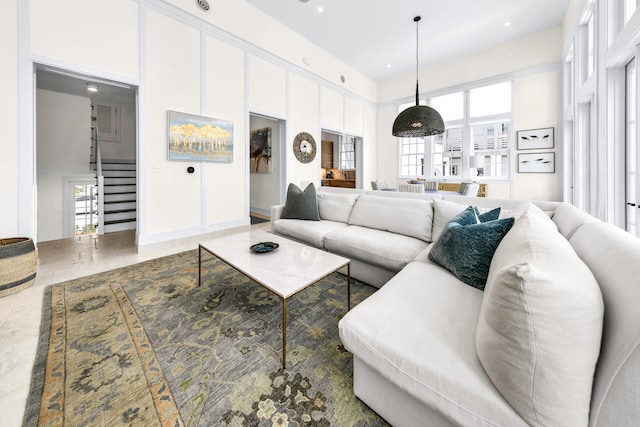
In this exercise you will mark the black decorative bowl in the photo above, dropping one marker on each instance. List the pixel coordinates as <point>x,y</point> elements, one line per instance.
<point>263,247</point>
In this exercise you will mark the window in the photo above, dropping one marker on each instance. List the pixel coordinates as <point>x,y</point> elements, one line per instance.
<point>491,142</point>
<point>587,45</point>
<point>447,153</point>
<point>477,122</point>
<point>630,7</point>
<point>107,118</point>
<point>347,153</point>
<point>412,153</point>
<point>632,210</point>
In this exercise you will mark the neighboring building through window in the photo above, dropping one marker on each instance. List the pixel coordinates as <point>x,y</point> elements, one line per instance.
<point>478,124</point>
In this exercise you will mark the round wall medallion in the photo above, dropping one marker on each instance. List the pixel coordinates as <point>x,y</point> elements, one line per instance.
<point>304,147</point>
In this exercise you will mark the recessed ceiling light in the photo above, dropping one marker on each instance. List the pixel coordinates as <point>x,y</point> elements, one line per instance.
<point>507,24</point>
<point>92,88</point>
<point>388,65</point>
<point>320,9</point>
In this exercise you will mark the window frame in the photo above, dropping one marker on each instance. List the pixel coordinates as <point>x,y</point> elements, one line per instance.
<point>466,123</point>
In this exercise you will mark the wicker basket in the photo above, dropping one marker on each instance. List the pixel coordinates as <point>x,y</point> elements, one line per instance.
<point>18,265</point>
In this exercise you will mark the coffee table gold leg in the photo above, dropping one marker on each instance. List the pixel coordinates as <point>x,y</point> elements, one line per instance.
<point>199,264</point>
<point>284,333</point>
<point>348,286</point>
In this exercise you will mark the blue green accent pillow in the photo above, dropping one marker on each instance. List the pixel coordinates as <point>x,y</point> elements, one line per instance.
<point>301,204</point>
<point>487,216</point>
<point>467,244</point>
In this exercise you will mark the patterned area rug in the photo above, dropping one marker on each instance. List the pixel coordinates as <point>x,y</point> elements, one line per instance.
<point>144,345</point>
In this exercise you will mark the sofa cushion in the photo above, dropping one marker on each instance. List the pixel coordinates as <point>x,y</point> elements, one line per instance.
<point>467,244</point>
<point>612,255</point>
<point>410,217</point>
<point>335,206</point>
<point>420,334</point>
<point>569,217</point>
<point>301,204</point>
<point>540,324</point>
<point>388,250</point>
<point>311,232</point>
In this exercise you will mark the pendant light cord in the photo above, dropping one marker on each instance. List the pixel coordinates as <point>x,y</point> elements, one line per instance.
<point>417,20</point>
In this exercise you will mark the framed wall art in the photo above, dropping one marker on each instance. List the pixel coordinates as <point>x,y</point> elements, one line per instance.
<point>537,162</point>
<point>198,138</point>
<point>535,139</point>
<point>260,150</point>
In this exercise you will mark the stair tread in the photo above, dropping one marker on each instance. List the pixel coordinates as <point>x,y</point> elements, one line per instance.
<point>119,211</point>
<point>120,192</point>
<point>119,221</point>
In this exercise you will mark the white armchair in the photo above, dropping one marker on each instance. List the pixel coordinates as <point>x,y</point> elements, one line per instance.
<point>469,189</point>
<point>411,188</point>
<point>431,185</point>
<point>379,185</point>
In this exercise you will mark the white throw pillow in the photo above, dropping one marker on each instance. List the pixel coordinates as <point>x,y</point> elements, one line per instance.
<point>336,206</point>
<point>411,217</point>
<point>540,324</point>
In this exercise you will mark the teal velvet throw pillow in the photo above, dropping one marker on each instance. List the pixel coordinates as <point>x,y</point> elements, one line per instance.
<point>301,204</point>
<point>467,244</point>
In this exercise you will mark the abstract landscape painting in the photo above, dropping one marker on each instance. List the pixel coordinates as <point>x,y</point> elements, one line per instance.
<point>198,138</point>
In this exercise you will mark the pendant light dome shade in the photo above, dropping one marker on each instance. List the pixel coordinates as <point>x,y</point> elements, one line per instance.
<point>419,120</point>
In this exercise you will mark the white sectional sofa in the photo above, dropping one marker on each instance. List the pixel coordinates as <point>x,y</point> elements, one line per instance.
<point>554,339</point>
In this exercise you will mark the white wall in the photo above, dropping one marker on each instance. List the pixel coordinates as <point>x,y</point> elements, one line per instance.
<point>532,62</point>
<point>125,149</point>
<point>265,187</point>
<point>63,146</point>
<point>304,116</point>
<point>186,60</point>
<point>9,172</point>
<point>246,21</point>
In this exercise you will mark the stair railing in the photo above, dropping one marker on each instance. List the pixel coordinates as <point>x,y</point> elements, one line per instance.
<point>100,179</point>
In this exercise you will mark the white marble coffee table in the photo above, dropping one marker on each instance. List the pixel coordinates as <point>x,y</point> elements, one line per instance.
<point>286,271</point>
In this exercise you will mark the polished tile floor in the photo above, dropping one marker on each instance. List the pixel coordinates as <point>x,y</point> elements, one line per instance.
<point>62,260</point>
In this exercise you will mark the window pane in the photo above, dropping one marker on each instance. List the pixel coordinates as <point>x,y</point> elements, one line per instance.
<point>491,142</point>
<point>347,151</point>
<point>488,100</point>
<point>412,157</point>
<point>450,107</point>
<point>447,149</point>
<point>630,7</point>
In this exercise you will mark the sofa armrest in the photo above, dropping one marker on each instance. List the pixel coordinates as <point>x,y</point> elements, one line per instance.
<point>276,212</point>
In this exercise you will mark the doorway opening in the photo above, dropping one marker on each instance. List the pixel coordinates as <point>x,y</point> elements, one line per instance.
<point>341,160</point>
<point>266,166</point>
<point>86,144</point>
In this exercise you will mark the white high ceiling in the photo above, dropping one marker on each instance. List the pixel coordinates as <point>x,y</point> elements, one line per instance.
<point>378,37</point>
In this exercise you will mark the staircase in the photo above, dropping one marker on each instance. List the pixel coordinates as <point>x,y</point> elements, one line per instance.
<point>119,195</point>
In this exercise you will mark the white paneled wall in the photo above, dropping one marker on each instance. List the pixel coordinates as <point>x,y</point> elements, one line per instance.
<point>267,88</point>
<point>102,35</point>
<point>225,97</point>
<point>331,110</point>
<point>173,197</point>
<point>303,117</point>
<point>225,65</point>
<point>353,117</point>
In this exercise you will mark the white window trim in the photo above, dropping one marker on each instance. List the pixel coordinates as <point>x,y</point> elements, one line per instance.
<point>466,122</point>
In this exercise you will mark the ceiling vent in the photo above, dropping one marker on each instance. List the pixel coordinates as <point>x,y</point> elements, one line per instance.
<point>204,4</point>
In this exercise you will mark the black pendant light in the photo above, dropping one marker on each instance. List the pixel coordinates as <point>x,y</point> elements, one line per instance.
<point>419,120</point>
